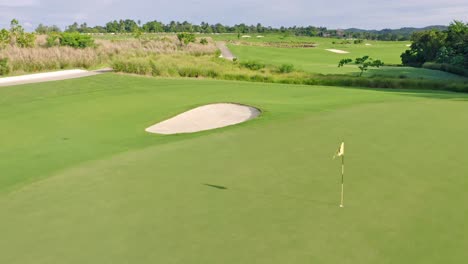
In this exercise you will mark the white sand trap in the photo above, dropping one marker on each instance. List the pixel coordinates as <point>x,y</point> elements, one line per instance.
<point>205,118</point>
<point>337,51</point>
<point>408,45</point>
<point>246,36</point>
<point>260,36</point>
<point>368,44</point>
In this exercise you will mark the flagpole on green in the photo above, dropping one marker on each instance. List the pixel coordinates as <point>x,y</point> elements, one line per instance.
<point>342,180</point>
<point>340,153</point>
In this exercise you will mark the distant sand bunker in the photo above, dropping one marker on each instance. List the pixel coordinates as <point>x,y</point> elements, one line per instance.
<point>205,118</point>
<point>337,51</point>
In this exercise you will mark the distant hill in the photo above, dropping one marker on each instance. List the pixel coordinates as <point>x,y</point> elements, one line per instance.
<point>389,34</point>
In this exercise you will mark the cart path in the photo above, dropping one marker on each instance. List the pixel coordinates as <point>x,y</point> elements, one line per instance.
<point>49,76</point>
<point>225,52</point>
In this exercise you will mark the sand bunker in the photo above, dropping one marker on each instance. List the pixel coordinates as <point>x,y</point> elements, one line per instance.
<point>205,118</point>
<point>368,44</point>
<point>337,51</point>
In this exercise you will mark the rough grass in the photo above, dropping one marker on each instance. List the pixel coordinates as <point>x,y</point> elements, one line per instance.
<point>216,68</point>
<point>82,182</point>
<point>42,58</point>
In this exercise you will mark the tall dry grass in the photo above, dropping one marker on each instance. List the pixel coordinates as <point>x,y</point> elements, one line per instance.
<point>43,58</point>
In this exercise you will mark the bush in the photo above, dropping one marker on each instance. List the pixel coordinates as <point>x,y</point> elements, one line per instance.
<point>358,41</point>
<point>203,41</point>
<point>53,40</point>
<point>186,38</point>
<point>76,40</point>
<point>286,68</point>
<point>4,38</point>
<point>4,68</point>
<point>253,65</point>
<point>189,72</point>
<point>26,40</point>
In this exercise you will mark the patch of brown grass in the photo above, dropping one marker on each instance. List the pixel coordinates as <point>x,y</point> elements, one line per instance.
<point>42,58</point>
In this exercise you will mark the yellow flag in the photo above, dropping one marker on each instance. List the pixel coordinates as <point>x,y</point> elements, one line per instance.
<point>340,151</point>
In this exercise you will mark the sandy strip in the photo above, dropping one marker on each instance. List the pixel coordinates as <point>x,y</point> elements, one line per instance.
<point>337,51</point>
<point>225,52</point>
<point>205,118</point>
<point>48,76</point>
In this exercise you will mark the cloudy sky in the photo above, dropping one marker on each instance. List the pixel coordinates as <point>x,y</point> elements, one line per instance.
<point>368,14</point>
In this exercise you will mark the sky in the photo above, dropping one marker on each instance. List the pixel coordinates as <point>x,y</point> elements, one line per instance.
<point>366,14</point>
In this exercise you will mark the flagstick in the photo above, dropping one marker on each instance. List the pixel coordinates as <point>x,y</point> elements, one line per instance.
<point>342,180</point>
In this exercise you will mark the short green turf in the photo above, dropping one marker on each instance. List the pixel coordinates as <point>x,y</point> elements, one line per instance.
<point>319,60</point>
<point>81,182</point>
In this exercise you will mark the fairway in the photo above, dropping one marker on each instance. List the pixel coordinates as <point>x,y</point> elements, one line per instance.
<point>82,182</point>
<point>320,60</point>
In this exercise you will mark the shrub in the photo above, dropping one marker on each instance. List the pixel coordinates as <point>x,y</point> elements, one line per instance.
<point>203,41</point>
<point>4,69</point>
<point>26,40</point>
<point>53,40</point>
<point>4,38</point>
<point>190,72</point>
<point>358,41</point>
<point>253,65</point>
<point>286,68</point>
<point>186,38</point>
<point>76,40</point>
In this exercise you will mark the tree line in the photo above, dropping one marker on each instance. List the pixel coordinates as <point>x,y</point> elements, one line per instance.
<point>442,47</point>
<point>131,26</point>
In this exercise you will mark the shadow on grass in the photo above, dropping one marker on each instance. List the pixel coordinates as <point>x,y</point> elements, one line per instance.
<point>219,187</point>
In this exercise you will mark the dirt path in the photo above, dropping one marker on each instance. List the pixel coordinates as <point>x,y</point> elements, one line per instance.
<point>49,76</point>
<point>225,52</point>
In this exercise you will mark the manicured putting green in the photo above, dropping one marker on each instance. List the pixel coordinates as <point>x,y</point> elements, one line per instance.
<point>82,182</point>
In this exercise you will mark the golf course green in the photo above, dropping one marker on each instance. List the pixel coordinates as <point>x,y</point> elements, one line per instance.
<point>320,60</point>
<point>82,182</point>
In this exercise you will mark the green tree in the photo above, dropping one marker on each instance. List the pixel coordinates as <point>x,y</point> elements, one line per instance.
<point>75,40</point>
<point>363,63</point>
<point>153,27</point>
<point>72,28</point>
<point>18,37</point>
<point>112,27</point>
<point>4,38</point>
